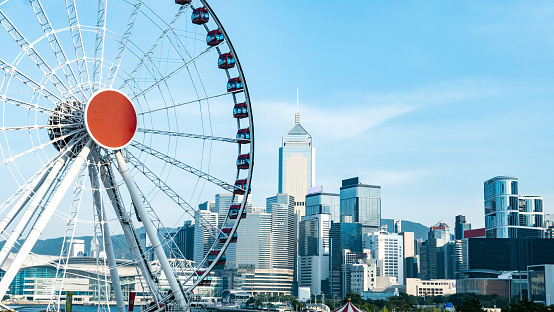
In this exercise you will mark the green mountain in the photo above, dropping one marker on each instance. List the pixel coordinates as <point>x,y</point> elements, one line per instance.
<point>420,230</point>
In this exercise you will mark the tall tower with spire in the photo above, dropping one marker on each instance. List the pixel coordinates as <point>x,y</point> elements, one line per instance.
<point>297,164</point>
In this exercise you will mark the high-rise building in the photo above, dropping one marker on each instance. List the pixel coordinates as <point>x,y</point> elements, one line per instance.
<point>203,235</point>
<point>460,227</point>
<point>509,215</point>
<point>184,241</point>
<point>283,231</point>
<point>388,247</point>
<point>433,259</point>
<point>253,247</point>
<point>313,249</point>
<point>342,236</point>
<point>397,226</point>
<point>296,165</point>
<point>321,202</point>
<point>362,202</point>
<point>409,253</point>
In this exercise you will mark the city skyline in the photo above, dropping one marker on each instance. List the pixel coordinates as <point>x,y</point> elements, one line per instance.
<point>412,106</point>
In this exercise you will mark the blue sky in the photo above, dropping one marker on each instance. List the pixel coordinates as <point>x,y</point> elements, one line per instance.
<point>426,99</point>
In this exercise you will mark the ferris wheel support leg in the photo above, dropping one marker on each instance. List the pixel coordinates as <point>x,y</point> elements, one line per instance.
<point>24,222</point>
<point>44,218</point>
<point>150,230</point>
<point>108,246</point>
<point>127,225</point>
<point>23,200</point>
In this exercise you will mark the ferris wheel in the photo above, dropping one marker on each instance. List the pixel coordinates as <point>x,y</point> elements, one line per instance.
<point>119,115</point>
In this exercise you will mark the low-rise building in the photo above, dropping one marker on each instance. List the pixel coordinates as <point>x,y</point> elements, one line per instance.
<point>436,287</point>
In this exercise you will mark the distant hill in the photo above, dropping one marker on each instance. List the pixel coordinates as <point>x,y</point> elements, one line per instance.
<point>52,246</point>
<point>420,230</point>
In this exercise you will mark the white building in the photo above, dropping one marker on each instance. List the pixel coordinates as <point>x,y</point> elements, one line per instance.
<point>390,249</point>
<point>313,248</point>
<point>436,287</point>
<point>253,248</point>
<point>363,277</point>
<point>203,236</point>
<point>283,231</point>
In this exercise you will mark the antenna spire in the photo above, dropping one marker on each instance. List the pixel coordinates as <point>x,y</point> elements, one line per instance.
<point>297,116</point>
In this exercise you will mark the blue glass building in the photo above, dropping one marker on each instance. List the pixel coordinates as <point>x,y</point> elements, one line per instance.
<point>362,202</point>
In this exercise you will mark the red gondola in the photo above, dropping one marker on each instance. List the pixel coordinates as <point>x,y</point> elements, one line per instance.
<point>234,212</point>
<point>243,161</point>
<point>226,61</point>
<point>214,37</point>
<point>240,110</point>
<point>234,84</point>
<point>225,234</point>
<point>200,16</point>
<point>207,281</point>
<point>212,255</point>
<point>183,1</point>
<point>243,136</point>
<point>242,185</point>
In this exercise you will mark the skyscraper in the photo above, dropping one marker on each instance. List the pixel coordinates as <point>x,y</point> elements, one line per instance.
<point>296,165</point>
<point>320,202</point>
<point>433,254</point>
<point>508,215</point>
<point>253,248</point>
<point>283,231</point>
<point>203,236</point>
<point>461,226</point>
<point>313,250</point>
<point>343,235</point>
<point>362,202</point>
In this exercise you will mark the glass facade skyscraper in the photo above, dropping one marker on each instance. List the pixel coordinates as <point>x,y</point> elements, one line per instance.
<point>362,202</point>
<point>296,165</point>
<point>320,202</point>
<point>508,215</point>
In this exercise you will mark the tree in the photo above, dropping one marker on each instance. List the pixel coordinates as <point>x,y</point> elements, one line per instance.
<point>527,306</point>
<point>471,305</point>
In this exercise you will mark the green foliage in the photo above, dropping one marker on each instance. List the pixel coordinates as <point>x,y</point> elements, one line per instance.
<point>528,306</point>
<point>471,305</point>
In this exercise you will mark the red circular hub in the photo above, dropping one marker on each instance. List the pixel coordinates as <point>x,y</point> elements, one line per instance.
<point>111,119</point>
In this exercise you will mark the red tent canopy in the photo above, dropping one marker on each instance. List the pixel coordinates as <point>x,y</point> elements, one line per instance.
<point>348,307</point>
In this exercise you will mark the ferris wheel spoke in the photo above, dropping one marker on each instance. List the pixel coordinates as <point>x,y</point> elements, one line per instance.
<point>181,104</point>
<point>123,43</point>
<point>154,46</point>
<point>38,197</point>
<point>179,164</point>
<point>170,193</point>
<point>99,46</point>
<point>150,230</point>
<point>34,55</point>
<point>188,135</point>
<point>31,106</point>
<point>78,43</point>
<point>165,78</point>
<point>37,127</point>
<point>36,148</point>
<point>137,252</point>
<point>55,44</point>
<point>29,192</point>
<point>44,219</point>
<point>108,246</point>
<point>28,81</point>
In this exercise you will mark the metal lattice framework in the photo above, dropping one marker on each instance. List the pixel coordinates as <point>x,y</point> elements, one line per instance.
<point>77,78</point>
